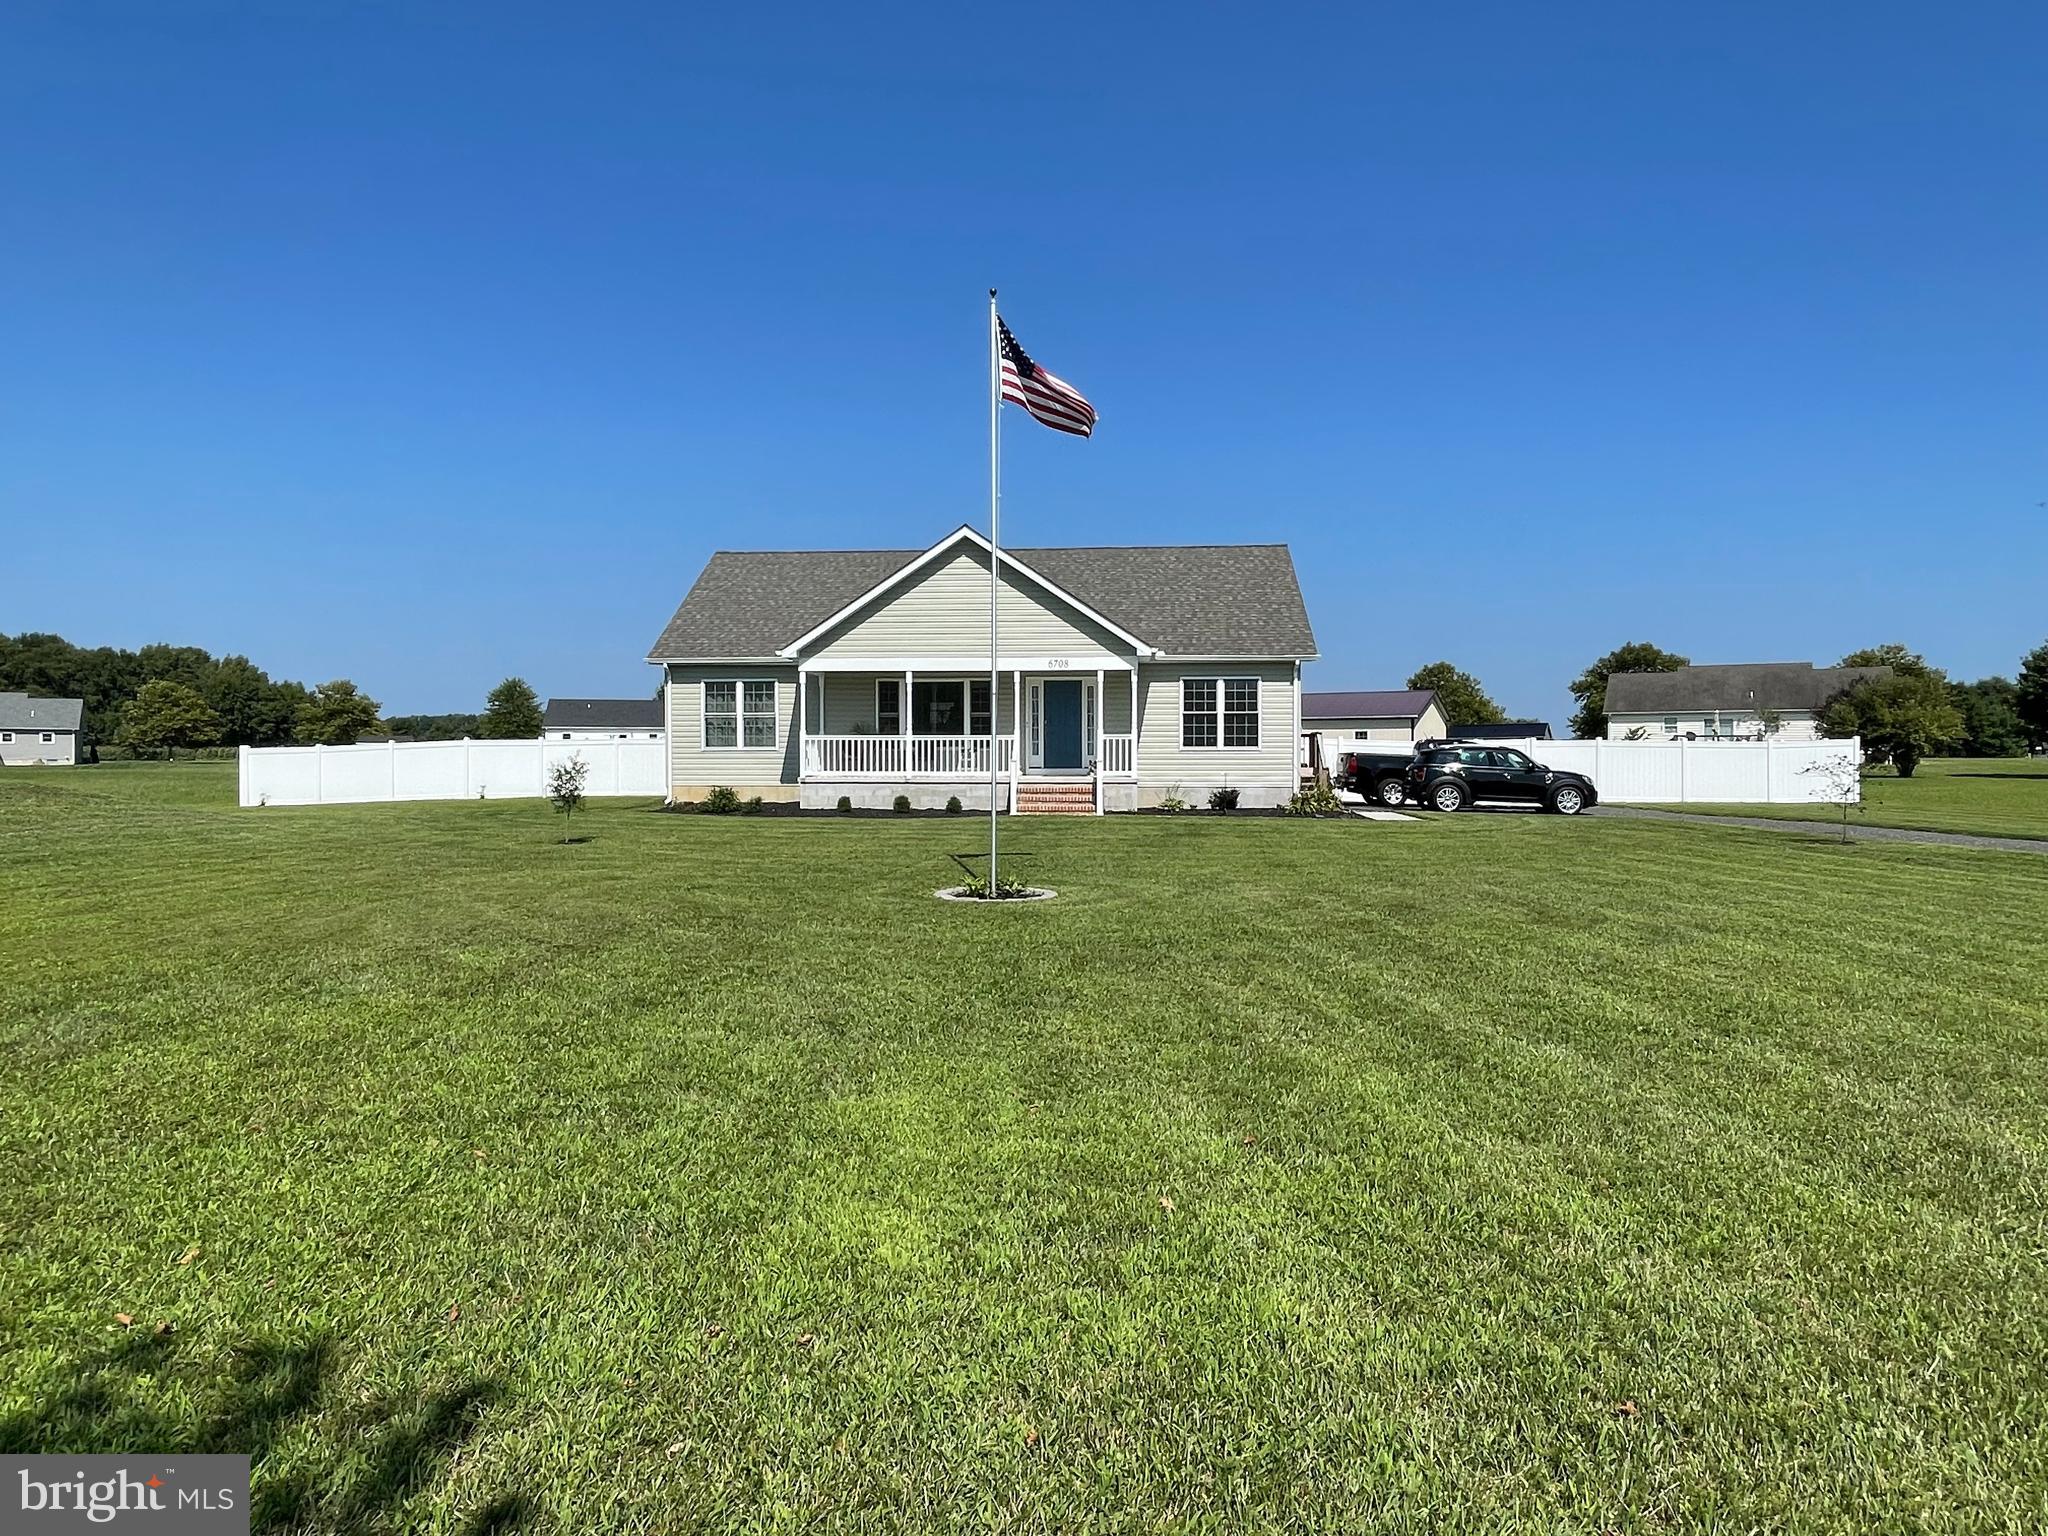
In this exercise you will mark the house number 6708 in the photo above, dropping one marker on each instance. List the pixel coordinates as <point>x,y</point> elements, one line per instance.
<point>1058,663</point>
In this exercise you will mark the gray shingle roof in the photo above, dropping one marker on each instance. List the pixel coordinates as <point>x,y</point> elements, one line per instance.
<point>1186,599</point>
<point>19,712</point>
<point>1741,685</point>
<point>1391,704</point>
<point>602,715</point>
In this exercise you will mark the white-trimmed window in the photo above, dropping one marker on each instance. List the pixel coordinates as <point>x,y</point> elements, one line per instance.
<point>739,712</point>
<point>1219,712</point>
<point>980,721</point>
<point>6,735</point>
<point>49,736</point>
<point>1671,725</point>
<point>888,706</point>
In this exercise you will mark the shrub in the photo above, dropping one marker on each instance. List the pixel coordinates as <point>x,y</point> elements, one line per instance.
<point>846,805</point>
<point>722,801</point>
<point>1221,800</point>
<point>1006,888</point>
<point>1173,805</point>
<point>902,805</point>
<point>566,783</point>
<point>751,807</point>
<point>1319,801</point>
<point>952,805</point>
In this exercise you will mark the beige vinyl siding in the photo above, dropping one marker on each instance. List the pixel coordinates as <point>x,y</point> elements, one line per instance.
<point>943,611</point>
<point>1797,724</point>
<point>693,766</point>
<point>1163,761</point>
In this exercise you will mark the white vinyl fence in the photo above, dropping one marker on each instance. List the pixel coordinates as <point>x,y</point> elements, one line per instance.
<point>1713,772</point>
<point>444,770</point>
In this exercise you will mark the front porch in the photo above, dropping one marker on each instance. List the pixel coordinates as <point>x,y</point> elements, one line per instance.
<point>933,737</point>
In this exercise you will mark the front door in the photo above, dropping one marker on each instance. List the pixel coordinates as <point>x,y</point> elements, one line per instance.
<point>1063,723</point>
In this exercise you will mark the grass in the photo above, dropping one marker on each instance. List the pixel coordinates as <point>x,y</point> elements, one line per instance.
<point>1490,1172</point>
<point>1989,796</point>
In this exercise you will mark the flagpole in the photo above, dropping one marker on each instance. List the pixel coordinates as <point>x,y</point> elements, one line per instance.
<point>995,403</point>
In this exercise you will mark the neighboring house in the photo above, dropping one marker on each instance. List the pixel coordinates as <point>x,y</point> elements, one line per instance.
<point>1504,730</point>
<point>1128,674</point>
<point>39,730</point>
<point>603,720</point>
<point>1337,721</point>
<point>1725,702</point>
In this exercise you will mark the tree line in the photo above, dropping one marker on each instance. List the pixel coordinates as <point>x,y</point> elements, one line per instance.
<point>162,697</point>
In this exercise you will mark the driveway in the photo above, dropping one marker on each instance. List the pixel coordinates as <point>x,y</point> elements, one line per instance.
<point>1831,829</point>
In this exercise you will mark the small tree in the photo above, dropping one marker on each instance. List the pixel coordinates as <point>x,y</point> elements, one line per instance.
<point>1901,718</point>
<point>1458,694</point>
<point>1769,721</point>
<point>1841,783</point>
<point>167,715</point>
<point>511,712</point>
<point>565,788</point>
<point>335,714</point>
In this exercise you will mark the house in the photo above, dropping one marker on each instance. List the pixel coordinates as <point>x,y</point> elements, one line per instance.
<point>1504,730</point>
<point>1128,674</point>
<point>1724,702</point>
<point>602,720</point>
<point>36,731</point>
<point>1338,721</point>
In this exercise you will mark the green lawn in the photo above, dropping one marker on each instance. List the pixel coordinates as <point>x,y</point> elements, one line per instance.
<point>1991,796</point>
<point>1484,1172</point>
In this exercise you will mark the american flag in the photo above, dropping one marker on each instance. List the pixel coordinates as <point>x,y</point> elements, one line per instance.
<point>1051,400</point>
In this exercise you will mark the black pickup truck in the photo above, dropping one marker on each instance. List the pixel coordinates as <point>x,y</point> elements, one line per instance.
<point>1376,772</point>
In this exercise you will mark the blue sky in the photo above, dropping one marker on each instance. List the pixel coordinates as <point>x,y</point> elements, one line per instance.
<point>425,344</point>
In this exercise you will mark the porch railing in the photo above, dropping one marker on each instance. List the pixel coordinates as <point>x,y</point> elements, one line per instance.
<point>905,757</point>
<point>1119,754</point>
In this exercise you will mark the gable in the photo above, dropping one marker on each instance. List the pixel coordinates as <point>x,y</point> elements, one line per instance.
<point>942,610</point>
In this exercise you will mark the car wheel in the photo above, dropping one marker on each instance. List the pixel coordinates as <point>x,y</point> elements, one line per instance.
<point>1568,800</point>
<point>1393,792</point>
<point>1448,796</point>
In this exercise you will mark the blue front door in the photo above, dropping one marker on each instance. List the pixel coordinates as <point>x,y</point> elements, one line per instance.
<point>1063,724</point>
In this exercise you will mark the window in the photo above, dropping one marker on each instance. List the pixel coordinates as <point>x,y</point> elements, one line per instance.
<point>1219,711</point>
<point>1475,757</point>
<point>935,708</point>
<point>49,736</point>
<point>1240,711</point>
<point>889,706</point>
<point>1671,725</point>
<point>739,713</point>
<point>6,735</point>
<point>979,722</point>
<point>1198,711</point>
<point>1514,761</point>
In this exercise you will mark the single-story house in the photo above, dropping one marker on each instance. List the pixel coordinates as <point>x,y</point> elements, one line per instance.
<point>1334,722</point>
<point>1504,730</point>
<point>1128,674</point>
<point>1724,702</point>
<point>602,720</point>
<point>39,731</point>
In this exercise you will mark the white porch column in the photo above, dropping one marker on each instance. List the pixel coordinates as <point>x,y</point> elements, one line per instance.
<point>1097,753</point>
<point>1016,734</point>
<point>909,680</point>
<point>803,722</point>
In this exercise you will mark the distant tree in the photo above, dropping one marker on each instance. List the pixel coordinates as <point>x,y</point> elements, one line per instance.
<point>1902,719</point>
<point>163,715</point>
<point>1463,701</point>
<point>1769,720</point>
<point>186,664</point>
<point>235,691</point>
<point>1991,719</point>
<point>1590,687</point>
<point>511,712</point>
<point>448,727</point>
<point>565,788</point>
<point>1902,661</point>
<point>336,714</point>
<point>277,715</point>
<point>2030,696</point>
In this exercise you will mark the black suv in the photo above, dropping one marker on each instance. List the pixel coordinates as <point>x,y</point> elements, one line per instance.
<point>1448,776</point>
